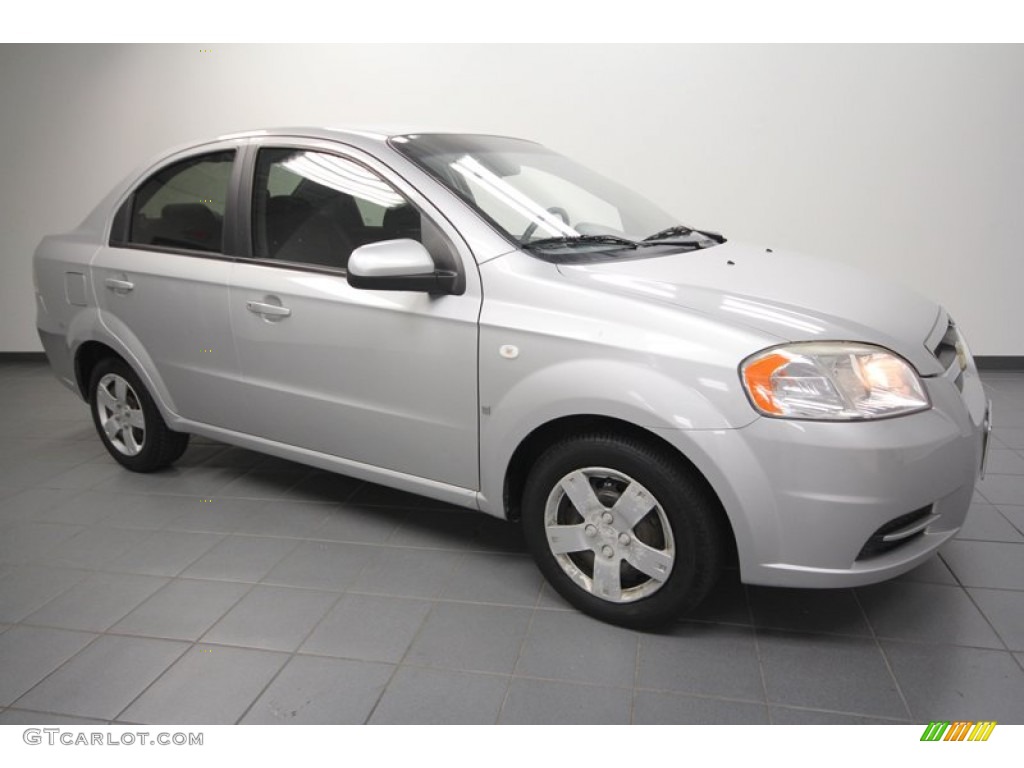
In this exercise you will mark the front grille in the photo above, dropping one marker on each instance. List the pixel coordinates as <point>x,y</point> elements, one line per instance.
<point>876,544</point>
<point>945,350</point>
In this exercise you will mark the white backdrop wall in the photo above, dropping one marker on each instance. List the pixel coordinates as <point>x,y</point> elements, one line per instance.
<point>906,160</point>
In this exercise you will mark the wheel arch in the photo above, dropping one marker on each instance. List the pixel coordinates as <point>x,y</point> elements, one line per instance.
<point>87,357</point>
<point>96,337</point>
<point>544,436</point>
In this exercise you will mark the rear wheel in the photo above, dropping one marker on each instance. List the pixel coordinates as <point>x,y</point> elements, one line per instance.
<point>128,421</point>
<point>621,530</point>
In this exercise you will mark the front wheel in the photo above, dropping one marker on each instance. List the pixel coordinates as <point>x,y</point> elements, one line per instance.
<point>622,530</point>
<point>128,421</point>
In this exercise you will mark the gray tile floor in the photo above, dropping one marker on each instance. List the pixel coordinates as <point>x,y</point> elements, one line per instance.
<point>241,588</point>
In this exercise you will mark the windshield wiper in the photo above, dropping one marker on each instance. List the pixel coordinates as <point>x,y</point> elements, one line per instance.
<point>677,231</point>
<point>582,240</point>
<point>680,230</point>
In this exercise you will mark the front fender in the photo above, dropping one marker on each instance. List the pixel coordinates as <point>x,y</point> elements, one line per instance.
<point>639,395</point>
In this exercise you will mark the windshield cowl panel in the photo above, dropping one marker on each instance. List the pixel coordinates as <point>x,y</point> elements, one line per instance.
<point>597,253</point>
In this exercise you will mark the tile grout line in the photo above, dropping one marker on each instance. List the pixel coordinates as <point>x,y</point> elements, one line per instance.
<point>291,656</point>
<point>519,651</point>
<point>954,574</point>
<point>885,656</point>
<point>636,677</point>
<point>63,592</point>
<point>170,580</point>
<point>757,652</point>
<point>988,621</point>
<point>309,634</point>
<point>305,638</point>
<point>1012,524</point>
<point>192,562</point>
<point>398,665</point>
<point>222,534</point>
<point>788,632</point>
<point>683,693</point>
<point>893,720</point>
<point>146,536</point>
<point>60,666</point>
<point>160,676</point>
<point>212,580</point>
<point>258,583</point>
<point>191,645</point>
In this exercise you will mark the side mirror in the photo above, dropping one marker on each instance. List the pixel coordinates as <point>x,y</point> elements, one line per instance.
<point>398,265</point>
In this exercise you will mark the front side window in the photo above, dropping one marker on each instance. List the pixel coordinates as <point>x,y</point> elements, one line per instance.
<point>316,208</point>
<point>182,206</point>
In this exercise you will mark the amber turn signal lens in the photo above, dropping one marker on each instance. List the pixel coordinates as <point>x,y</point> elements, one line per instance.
<point>758,376</point>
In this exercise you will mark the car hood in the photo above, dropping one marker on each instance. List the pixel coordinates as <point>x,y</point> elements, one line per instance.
<point>784,294</point>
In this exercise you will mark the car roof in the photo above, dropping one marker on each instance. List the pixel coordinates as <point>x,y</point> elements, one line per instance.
<point>357,135</point>
<point>373,133</point>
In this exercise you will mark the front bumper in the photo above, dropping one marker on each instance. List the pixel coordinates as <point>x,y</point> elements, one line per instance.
<point>817,504</point>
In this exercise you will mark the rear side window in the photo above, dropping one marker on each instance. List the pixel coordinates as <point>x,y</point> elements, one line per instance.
<point>180,206</point>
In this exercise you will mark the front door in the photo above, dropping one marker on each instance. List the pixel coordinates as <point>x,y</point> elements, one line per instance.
<point>385,378</point>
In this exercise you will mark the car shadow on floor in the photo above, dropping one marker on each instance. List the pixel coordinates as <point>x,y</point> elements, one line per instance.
<point>415,520</point>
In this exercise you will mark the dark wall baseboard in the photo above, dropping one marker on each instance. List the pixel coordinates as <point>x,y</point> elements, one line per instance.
<point>999,362</point>
<point>22,357</point>
<point>984,362</point>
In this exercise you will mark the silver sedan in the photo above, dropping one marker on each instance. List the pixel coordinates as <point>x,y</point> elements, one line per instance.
<point>483,321</point>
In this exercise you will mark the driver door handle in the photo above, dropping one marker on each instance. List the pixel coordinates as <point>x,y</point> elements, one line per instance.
<point>267,310</point>
<point>120,286</point>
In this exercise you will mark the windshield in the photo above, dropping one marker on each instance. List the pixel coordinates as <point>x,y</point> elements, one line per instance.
<point>537,197</point>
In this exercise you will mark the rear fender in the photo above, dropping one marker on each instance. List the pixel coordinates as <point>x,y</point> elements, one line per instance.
<point>94,325</point>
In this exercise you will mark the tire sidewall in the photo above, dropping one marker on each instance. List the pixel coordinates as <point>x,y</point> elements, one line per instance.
<point>144,460</point>
<point>684,506</point>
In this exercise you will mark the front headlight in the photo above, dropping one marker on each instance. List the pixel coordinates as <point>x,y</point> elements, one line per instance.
<point>832,381</point>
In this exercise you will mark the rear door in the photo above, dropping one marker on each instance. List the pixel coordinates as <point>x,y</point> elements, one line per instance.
<point>162,281</point>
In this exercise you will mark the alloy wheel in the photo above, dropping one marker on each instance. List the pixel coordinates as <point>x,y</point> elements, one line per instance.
<point>609,534</point>
<point>120,414</point>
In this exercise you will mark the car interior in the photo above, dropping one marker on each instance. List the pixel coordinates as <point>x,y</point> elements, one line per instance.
<point>319,225</point>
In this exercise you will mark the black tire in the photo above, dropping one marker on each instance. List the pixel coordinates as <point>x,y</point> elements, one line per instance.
<point>141,445</point>
<point>692,546</point>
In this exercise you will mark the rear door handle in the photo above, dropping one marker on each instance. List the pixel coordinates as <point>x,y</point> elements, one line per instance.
<point>267,310</point>
<point>119,286</point>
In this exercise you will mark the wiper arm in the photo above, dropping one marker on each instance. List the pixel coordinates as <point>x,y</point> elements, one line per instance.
<point>677,231</point>
<point>682,231</point>
<point>583,240</point>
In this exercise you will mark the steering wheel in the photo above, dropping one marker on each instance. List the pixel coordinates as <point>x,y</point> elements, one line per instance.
<point>528,232</point>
